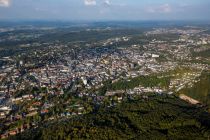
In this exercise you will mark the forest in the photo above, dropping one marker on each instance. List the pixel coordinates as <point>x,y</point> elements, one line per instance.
<point>148,116</point>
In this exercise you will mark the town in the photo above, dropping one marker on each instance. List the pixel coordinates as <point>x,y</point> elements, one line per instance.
<point>42,81</point>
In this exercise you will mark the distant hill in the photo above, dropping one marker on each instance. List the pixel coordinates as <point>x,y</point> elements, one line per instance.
<point>153,117</point>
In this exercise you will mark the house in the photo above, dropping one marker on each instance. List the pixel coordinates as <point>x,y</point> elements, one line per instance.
<point>44,111</point>
<point>31,114</point>
<point>4,136</point>
<point>5,108</point>
<point>112,93</point>
<point>12,132</point>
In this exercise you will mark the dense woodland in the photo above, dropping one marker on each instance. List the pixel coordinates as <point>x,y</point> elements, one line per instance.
<point>143,117</point>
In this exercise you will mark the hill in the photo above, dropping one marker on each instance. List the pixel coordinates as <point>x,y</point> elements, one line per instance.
<point>142,117</point>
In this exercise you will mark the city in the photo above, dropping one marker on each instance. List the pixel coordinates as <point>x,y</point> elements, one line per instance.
<point>63,80</point>
<point>104,70</point>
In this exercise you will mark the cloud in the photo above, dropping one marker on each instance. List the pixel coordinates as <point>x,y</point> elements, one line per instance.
<point>107,2</point>
<point>90,2</point>
<point>165,8</point>
<point>4,3</point>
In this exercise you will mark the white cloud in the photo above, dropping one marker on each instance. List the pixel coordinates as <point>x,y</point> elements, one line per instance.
<point>90,2</point>
<point>107,2</point>
<point>165,8</point>
<point>4,3</point>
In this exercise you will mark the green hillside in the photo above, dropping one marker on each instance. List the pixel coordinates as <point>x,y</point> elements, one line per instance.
<point>200,91</point>
<point>142,117</point>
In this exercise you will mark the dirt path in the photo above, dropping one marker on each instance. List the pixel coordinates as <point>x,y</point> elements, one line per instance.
<point>188,99</point>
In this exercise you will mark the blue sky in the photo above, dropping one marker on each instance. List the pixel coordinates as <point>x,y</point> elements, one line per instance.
<point>104,9</point>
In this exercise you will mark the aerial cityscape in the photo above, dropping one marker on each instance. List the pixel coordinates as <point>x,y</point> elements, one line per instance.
<point>69,77</point>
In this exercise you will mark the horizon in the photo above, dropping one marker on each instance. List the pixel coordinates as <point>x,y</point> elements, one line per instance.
<point>165,22</point>
<point>104,10</point>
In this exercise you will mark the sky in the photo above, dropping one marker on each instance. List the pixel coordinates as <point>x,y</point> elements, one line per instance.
<point>97,10</point>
